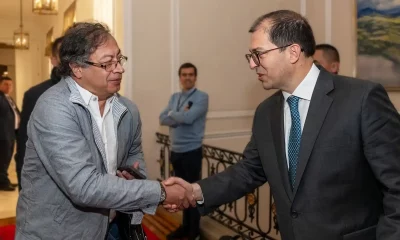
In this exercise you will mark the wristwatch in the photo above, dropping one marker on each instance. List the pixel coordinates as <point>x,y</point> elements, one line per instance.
<point>163,193</point>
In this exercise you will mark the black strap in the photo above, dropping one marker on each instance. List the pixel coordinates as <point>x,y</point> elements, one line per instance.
<point>179,105</point>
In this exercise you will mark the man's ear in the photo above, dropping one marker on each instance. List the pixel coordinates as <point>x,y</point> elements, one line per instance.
<point>335,67</point>
<point>76,69</point>
<point>294,52</point>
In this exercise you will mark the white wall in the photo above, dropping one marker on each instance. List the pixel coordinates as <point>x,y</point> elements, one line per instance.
<point>28,63</point>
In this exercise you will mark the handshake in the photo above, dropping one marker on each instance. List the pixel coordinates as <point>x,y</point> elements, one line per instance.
<point>180,194</point>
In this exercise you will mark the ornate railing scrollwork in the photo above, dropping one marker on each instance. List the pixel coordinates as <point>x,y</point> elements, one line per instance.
<point>246,222</point>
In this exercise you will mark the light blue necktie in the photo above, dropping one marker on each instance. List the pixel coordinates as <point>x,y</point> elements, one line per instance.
<point>294,137</point>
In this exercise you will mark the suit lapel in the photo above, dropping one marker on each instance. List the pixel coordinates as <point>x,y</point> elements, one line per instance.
<point>319,106</point>
<point>277,129</point>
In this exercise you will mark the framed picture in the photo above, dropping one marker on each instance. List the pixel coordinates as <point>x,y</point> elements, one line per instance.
<point>378,42</point>
<point>69,16</point>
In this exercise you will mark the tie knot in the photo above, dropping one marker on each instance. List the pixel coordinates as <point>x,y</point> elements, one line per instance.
<point>293,101</point>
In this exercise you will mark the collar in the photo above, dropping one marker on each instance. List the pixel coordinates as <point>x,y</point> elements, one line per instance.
<point>87,96</point>
<point>306,87</point>
<point>188,92</point>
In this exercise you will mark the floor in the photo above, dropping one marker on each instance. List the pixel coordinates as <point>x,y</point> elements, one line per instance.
<point>8,200</point>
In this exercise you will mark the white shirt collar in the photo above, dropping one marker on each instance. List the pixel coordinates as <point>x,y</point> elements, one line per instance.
<point>306,87</point>
<point>87,96</point>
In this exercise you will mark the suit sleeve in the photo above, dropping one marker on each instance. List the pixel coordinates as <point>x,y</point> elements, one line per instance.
<point>235,181</point>
<point>135,154</point>
<point>27,108</point>
<point>381,138</point>
<point>63,150</point>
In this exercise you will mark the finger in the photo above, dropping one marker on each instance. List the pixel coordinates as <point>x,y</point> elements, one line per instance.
<point>127,175</point>
<point>192,201</point>
<point>136,165</point>
<point>170,181</point>
<point>119,174</point>
<point>185,203</point>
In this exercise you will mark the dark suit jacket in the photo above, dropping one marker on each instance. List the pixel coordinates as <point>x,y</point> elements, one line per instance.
<point>7,120</point>
<point>348,175</point>
<point>30,98</point>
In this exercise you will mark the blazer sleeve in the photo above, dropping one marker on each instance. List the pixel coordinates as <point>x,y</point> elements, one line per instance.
<point>380,126</point>
<point>62,149</point>
<point>235,181</point>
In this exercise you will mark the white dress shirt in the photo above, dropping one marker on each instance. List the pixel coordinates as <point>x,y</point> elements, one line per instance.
<point>105,124</point>
<point>304,91</point>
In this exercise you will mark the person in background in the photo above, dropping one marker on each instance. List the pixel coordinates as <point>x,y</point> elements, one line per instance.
<point>186,116</point>
<point>30,98</point>
<point>9,123</point>
<point>328,57</point>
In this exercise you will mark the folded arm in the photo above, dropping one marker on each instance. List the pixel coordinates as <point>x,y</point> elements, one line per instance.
<point>198,109</point>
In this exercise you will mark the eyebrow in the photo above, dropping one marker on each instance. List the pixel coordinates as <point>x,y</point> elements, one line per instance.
<point>259,49</point>
<point>110,55</point>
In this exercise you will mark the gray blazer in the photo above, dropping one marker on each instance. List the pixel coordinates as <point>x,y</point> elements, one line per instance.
<point>66,191</point>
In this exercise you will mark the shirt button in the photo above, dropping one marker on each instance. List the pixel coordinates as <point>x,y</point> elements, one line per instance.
<point>294,214</point>
<point>94,98</point>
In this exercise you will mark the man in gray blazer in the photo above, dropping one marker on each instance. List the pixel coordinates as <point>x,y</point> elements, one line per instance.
<point>328,145</point>
<point>79,133</point>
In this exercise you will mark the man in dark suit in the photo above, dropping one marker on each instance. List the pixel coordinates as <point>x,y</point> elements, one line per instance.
<point>9,122</point>
<point>328,145</point>
<point>30,98</point>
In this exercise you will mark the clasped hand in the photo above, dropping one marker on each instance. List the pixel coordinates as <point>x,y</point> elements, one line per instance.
<point>180,194</point>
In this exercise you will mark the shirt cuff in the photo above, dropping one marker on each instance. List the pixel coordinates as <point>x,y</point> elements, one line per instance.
<point>201,202</point>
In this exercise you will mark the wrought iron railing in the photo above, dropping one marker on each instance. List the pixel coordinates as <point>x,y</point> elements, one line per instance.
<point>242,216</point>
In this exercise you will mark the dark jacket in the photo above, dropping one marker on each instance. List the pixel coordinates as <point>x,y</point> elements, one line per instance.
<point>7,120</point>
<point>347,183</point>
<point>30,98</point>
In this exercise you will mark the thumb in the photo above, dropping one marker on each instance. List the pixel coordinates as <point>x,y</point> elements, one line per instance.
<point>170,181</point>
<point>136,165</point>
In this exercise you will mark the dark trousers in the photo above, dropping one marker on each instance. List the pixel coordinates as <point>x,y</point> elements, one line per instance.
<point>6,151</point>
<point>187,166</point>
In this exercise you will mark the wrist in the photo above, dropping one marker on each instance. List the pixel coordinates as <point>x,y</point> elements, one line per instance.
<point>163,194</point>
<point>197,193</point>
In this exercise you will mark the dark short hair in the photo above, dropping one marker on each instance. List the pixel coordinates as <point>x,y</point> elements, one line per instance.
<point>5,77</point>
<point>55,46</point>
<point>187,65</point>
<point>330,52</point>
<point>287,27</point>
<point>79,42</point>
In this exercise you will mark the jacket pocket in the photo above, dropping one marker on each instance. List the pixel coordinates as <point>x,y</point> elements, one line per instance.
<point>368,233</point>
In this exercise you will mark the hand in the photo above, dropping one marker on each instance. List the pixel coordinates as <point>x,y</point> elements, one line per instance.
<point>189,194</point>
<point>186,109</point>
<point>125,174</point>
